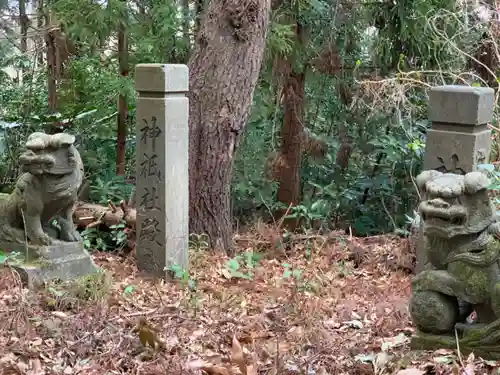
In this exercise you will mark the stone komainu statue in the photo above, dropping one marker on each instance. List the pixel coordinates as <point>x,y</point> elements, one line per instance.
<point>460,234</point>
<point>52,173</point>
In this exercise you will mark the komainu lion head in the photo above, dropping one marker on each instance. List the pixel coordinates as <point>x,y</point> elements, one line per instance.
<point>453,205</point>
<point>50,154</point>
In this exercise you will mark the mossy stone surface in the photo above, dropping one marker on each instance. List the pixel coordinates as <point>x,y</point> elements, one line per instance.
<point>434,310</point>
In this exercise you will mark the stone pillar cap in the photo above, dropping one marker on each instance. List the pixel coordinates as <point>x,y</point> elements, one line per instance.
<point>462,105</point>
<point>173,78</point>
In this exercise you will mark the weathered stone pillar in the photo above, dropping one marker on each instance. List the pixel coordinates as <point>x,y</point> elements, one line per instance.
<point>162,191</point>
<point>459,139</point>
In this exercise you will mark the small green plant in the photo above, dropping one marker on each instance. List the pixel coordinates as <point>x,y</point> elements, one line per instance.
<point>95,239</point>
<point>296,275</point>
<point>129,289</point>
<point>307,215</point>
<point>241,265</point>
<point>182,275</point>
<point>232,269</point>
<point>289,272</point>
<point>187,282</point>
<point>118,236</point>
<point>494,176</point>
<point>416,145</point>
<point>115,189</point>
<point>251,259</point>
<point>410,220</point>
<point>14,257</point>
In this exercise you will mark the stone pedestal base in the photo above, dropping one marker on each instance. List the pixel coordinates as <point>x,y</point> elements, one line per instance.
<point>62,260</point>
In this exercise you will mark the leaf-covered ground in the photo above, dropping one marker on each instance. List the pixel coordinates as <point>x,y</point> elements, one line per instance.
<point>311,305</point>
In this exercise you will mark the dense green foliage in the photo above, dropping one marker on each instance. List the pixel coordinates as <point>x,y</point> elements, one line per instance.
<point>390,55</point>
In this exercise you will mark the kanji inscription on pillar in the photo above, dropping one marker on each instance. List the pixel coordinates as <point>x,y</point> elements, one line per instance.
<point>162,167</point>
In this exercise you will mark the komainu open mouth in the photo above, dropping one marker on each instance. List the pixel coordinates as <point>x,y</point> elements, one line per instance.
<point>443,214</point>
<point>444,218</point>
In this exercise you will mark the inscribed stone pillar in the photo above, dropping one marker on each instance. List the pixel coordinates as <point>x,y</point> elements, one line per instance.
<point>459,139</point>
<point>162,178</point>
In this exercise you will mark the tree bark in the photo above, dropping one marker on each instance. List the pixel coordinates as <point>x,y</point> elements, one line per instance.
<point>24,21</point>
<point>52,68</point>
<point>291,142</point>
<point>291,134</point>
<point>486,61</point>
<point>121,128</point>
<point>40,15</point>
<point>224,69</point>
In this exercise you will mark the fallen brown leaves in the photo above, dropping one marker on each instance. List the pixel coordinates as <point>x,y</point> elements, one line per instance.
<point>340,314</point>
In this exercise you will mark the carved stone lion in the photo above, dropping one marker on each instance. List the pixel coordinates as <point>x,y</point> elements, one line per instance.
<point>461,237</point>
<point>52,173</point>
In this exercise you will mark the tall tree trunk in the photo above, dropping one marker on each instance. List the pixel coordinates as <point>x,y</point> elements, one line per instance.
<point>23,21</point>
<point>52,67</point>
<point>486,59</point>
<point>121,129</point>
<point>291,134</point>
<point>291,142</point>
<point>59,51</point>
<point>40,14</point>
<point>224,69</point>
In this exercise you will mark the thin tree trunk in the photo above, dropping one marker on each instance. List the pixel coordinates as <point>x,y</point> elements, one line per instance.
<point>224,69</point>
<point>291,134</point>
<point>121,131</point>
<point>486,53</point>
<point>291,140</point>
<point>52,62</point>
<point>23,21</point>
<point>39,24</point>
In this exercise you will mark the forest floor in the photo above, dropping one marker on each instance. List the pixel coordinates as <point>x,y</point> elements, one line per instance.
<point>312,305</point>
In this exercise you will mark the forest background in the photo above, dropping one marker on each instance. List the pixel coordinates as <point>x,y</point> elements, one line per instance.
<point>336,128</point>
